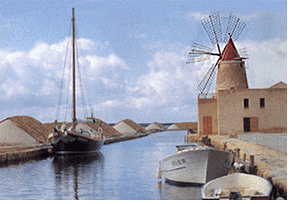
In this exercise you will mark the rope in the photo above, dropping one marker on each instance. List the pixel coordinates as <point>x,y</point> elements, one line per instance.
<point>68,89</point>
<point>84,98</point>
<point>62,82</point>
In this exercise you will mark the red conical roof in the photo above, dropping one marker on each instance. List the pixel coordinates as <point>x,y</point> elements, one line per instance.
<point>229,52</point>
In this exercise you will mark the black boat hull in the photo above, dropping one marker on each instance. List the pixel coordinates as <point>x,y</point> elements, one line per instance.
<point>72,144</point>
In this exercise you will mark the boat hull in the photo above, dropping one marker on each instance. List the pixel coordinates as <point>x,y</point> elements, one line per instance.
<point>250,187</point>
<point>196,166</point>
<point>72,143</point>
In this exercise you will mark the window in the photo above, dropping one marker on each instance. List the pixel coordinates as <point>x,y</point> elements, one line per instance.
<point>246,103</point>
<point>262,103</point>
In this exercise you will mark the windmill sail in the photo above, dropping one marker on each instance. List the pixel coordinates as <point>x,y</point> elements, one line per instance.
<point>206,82</point>
<point>213,28</point>
<point>200,52</point>
<point>234,28</point>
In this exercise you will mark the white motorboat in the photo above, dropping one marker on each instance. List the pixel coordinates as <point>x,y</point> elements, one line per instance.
<point>196,164</point>
<point>237,186</point>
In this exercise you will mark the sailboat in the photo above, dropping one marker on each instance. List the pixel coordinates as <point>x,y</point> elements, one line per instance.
<point>79,138</point>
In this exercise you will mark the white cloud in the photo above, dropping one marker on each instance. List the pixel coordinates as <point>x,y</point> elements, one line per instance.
<point>49,87</point>
<point>140,102</point>
<point>196,16</point>
<point>11,87</point>
<point>166,91</point>
<point>171,85</point>
<point>137,34</point>
<point>268,63</point>
<point>85,44</point>
<point>45,63</point>
<point>110,103</point>
<point>112,61</point>
<point>33,77</point>
<point>38,51</point>
<point>166,84</point>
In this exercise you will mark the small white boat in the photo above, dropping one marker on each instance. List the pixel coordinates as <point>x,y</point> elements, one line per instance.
<point>237,186</point>
<point>195,164</point>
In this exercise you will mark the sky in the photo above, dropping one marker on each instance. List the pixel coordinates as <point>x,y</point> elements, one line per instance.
<point>133,55</point>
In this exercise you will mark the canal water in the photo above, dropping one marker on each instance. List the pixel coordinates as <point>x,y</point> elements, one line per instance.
<point>120,171</point>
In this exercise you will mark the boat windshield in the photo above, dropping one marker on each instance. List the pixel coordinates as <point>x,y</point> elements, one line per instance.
<point>186,147</point>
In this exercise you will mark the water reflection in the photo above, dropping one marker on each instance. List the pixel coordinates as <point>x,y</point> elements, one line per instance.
<point>123,171</point>
<point>74,171</point>
<point>174,191</point>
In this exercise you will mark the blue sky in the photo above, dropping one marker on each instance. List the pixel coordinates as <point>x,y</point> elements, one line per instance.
<point>134,54</point>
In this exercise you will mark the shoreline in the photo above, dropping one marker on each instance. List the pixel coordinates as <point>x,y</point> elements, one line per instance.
<point>270,164</point>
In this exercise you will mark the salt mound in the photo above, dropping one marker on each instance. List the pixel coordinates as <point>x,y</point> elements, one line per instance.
<point>128,126</point>
<point>153,127</point>
<point>173,127</point>
<point>124,128</point>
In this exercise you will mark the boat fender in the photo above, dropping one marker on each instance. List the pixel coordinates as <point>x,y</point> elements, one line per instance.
<point>159,174</point>
<point>242,169</point>
<point>239,166</point>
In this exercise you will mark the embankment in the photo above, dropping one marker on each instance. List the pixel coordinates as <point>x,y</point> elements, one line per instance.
<point>19,154</point>
<point>271,164</point>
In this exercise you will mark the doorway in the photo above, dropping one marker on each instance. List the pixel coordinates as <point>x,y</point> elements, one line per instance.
<point>250,124</point>
<point>207,125</point>
<point>247,124</point>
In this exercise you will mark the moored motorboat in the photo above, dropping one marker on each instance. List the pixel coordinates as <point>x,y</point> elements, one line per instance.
<point>195,164</point>
<point>237,186</point>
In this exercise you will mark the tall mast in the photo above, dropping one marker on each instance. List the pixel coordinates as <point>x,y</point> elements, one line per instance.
<point>74,87</point>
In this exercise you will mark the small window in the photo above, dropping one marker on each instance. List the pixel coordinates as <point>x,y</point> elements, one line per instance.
<point>246,103</point>
<point>262,103</point>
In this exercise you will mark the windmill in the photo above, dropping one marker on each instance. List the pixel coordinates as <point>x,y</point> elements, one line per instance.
<point>229,53</point>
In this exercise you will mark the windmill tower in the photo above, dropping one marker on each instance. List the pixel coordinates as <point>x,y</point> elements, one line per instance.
<point>230,67</point>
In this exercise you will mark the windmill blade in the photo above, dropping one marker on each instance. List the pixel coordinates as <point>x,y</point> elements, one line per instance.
<point>201,47</point>
<point>243,52</point>
<point>213,28</point>
<point>234,28</point>
<point>206,82</point>
<point>199,52</point>
<point>195,58</point>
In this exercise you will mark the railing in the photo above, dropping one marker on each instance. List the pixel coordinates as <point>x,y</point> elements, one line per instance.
<point>207,96</point>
